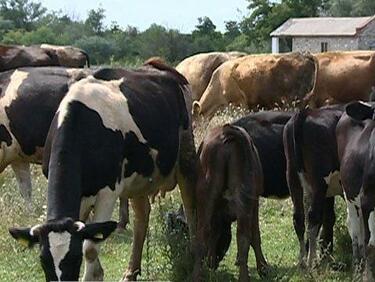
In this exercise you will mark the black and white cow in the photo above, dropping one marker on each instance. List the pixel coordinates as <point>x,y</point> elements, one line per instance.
<point>119,132</point>
<point>356,149</point>
<point>313,169</point>
<point>29,98</point>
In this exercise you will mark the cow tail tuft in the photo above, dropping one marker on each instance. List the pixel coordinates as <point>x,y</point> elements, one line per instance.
<point>87,58</point>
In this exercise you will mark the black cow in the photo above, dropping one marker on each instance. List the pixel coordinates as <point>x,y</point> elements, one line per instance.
<point>228,188</point>
<point>313,169</point>
<point>13,57</point>
<point>266,130</point>
<point>120,132</point>
<point>29,98</point>
<point>356,148</point>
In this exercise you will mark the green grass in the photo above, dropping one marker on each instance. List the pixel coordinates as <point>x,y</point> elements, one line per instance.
<point>160,260</point>
<point>164,256</point>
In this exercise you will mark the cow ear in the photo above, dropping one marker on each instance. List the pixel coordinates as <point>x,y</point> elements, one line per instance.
<point>99,231</point>
<point>24,236</point>
<point>196,110</point>
<point>359,110</point>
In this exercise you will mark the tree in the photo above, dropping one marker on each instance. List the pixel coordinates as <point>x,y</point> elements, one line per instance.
<point>22,13</point>
<point>5,26</point>
<point>95,20</point>
<point>205,26</point>
<point>232,30</point>
<point>351,8</point>
<point>153,42</point>
<point>206,38</point>
<point>239,43</point>
<point>266,15</point>
<point>115,27</point>
<point>100,49</point>
<point>341,8</point>
<point>257,25</point>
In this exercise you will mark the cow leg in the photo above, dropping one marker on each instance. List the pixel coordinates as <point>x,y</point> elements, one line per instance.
<point>356,229</point>
<point>200,242</point>
<point>104,205</point>
<point>123,214</point>
<point>369,218</point>
<point>244,238</point>
<point>296,193</point>
<point>186,178</point>
<point>329,219</point>
<point>23,177</point>
<point>141,207</point>
<point>256,242</point>
<point>315,220</point>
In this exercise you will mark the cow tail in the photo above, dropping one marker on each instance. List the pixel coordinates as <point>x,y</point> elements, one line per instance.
<point>184,101</point>
<point>238,135</point>
<point>297,137</point>
<point>87,58</point>
<point>293,139</point>
<point>310,95</point>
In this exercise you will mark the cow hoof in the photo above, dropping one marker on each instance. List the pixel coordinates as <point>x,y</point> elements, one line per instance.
<point>302,264</point>
<point>264,271</point>
<point>98,275</point>
<point>244,277</point>
<point>131,276</point>
<point>120,229</point>
<point>29,206</point>
<point>358,266</point>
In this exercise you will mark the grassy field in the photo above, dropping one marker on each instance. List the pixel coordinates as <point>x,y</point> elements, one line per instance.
<point>164,257</point>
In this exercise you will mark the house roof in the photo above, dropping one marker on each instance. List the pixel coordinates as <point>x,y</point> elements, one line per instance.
<point>324,26</point>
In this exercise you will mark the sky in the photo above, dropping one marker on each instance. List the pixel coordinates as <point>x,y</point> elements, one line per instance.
<point>174,14</point>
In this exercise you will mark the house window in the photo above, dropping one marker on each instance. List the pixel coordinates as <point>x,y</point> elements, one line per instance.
<point>324,47</point>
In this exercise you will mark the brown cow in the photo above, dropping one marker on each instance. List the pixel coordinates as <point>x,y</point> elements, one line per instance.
<point>198,69</point>
<point>12,56</point>
<point>258,80</point>
<point>343,77</point>
<point>229,184</point>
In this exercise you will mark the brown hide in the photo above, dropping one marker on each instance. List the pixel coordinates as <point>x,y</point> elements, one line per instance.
<point>343,77</point>
<point>258,80</point>
<point>68,56</point>
<point>230,181</point>
<point>12,57</point>
<point>198,69</point>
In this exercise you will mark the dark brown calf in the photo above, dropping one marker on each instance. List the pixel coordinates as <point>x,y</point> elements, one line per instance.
<point>229,184</point>
<point>312,168</point>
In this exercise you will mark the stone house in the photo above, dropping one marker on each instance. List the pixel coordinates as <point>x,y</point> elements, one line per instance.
<point>324,34</point>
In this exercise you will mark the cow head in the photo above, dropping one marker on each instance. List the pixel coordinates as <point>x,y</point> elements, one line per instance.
<point>219,239</point>
<point>214,224</point>
<point>360,111</point>
<point>61,243</point>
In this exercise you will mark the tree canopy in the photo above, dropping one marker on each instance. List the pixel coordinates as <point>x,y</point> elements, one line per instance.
<point>28,22</point>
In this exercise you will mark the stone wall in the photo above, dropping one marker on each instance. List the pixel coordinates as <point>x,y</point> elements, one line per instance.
<point>367,37</point>
<point>313,44</point>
